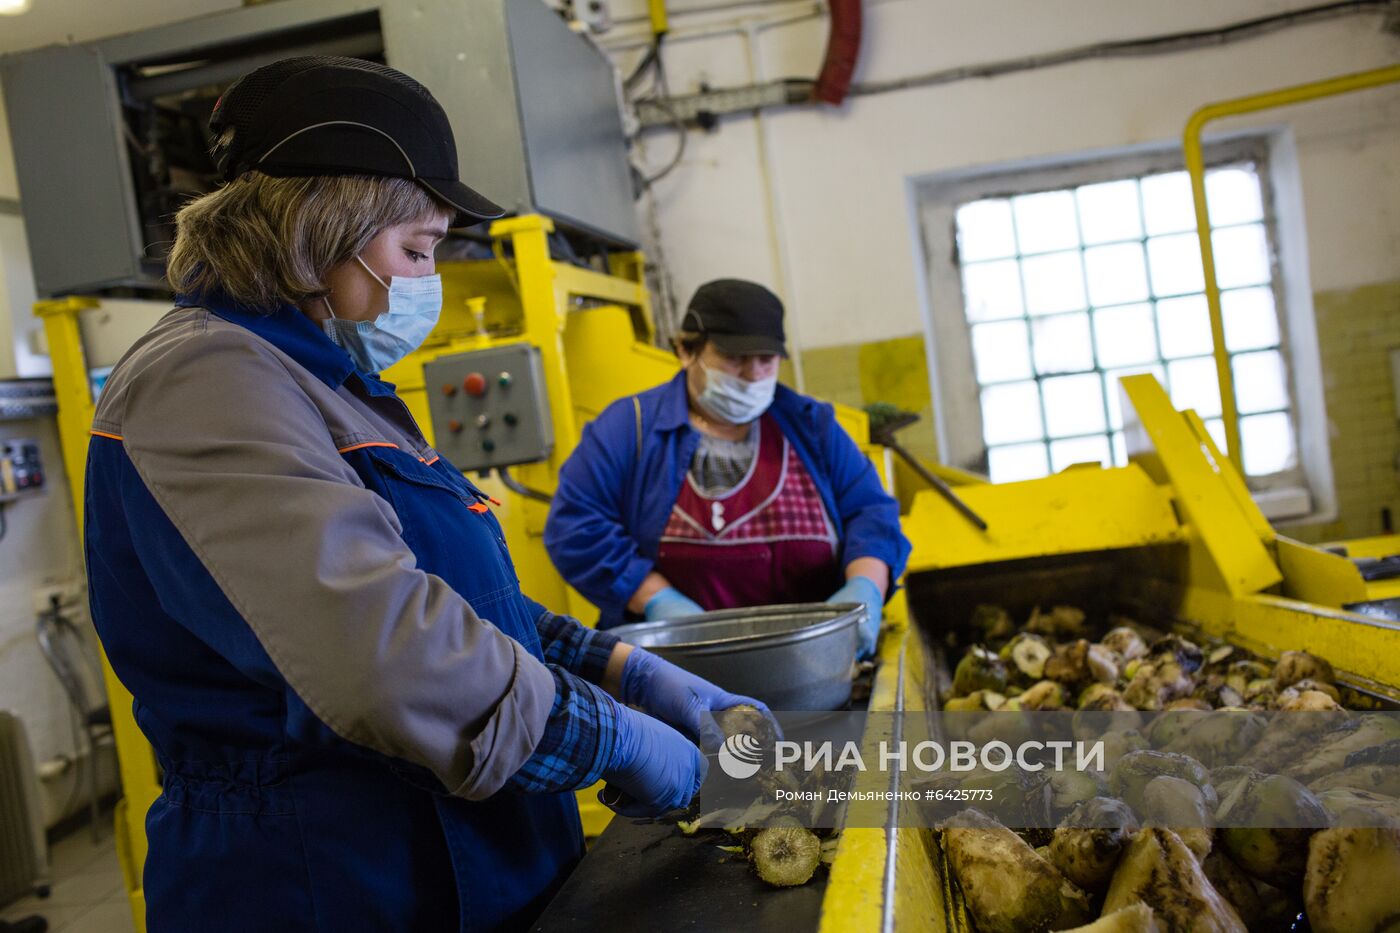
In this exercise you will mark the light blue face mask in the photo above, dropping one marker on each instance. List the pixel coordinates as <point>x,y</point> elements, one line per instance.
<point>735,400</point>
<point>414,305</point>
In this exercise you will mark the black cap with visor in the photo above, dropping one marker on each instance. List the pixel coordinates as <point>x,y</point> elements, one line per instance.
<point>740,318</point>
<point>329,115</point>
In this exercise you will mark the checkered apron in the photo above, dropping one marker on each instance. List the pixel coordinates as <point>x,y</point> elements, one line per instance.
<point>768,540</point>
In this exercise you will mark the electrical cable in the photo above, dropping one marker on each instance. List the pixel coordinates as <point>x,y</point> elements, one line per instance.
<point>75,725</point>
<point>648,60</point>
<point>1125,48</point>
<point>520,489</point>
<point>681,138</point>
<point>660,92</point>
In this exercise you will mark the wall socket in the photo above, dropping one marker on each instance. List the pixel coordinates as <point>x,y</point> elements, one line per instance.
<point>71,595</point>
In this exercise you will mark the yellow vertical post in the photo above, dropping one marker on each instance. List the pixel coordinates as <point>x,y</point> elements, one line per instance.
<point>544,311</point>
<point>135,762</point>
<point>632,267</point>
<point>71,387</point>
<point>1195,165</point>
<point>660,24</point>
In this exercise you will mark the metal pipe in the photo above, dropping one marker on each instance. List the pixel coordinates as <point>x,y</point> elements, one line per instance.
<point>842,52</point>
<point>942,488</point>
<point>777,239</point>
<point>677,11</point>
<point>1195,165</point>
<point>728,28</point>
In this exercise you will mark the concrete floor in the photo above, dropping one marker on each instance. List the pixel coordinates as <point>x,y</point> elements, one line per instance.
<point>88,895</point>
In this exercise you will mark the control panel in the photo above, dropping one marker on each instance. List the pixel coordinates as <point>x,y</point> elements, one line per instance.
<point>21,470</point>
<point>489,407</point>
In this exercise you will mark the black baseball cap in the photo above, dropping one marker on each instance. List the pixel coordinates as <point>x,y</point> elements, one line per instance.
<point>739,317</point>
<point>329,115</point>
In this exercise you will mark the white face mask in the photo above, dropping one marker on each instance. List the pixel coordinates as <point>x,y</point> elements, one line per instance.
<point>414,305</point>
<point>733,399</point>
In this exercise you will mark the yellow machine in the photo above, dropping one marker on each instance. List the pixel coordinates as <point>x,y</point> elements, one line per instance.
<point>1172,539</point>
<point>594,334</point>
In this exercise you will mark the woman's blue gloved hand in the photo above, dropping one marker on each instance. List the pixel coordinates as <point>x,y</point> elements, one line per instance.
<point>678,697</point>
<point>654,768</point>
<point>670,603</point>
<point>863,590</point>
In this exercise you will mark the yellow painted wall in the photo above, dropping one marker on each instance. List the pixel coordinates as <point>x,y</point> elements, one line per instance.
<point>893,371</point>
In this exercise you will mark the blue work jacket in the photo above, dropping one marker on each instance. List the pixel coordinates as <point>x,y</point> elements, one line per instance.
<point>617,488</point>
<point>288,580</point>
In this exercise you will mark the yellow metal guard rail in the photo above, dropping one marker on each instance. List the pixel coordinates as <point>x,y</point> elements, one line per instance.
<point>1195,165</point>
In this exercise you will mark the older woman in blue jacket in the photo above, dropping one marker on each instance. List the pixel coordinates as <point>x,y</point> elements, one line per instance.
<point>721,489</point>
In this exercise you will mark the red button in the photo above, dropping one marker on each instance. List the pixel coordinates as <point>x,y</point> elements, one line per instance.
<point>449,389</point>
<point>475,384</point>
<point>454,426</point>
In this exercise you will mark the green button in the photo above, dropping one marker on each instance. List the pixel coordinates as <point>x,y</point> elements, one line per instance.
<point>510,419</point>
<point>488,445</point>
<point>504,379</point>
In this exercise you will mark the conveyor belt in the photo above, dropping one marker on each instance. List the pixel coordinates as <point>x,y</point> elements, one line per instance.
<point>647,876</point>
<point>1385,609</point>
<point>1378,568</point>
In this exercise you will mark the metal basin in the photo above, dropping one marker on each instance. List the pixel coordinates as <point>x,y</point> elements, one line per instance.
<point>795,657</point>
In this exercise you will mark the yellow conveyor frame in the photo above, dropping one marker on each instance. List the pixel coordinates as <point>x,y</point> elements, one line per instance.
<point>1230,575</point>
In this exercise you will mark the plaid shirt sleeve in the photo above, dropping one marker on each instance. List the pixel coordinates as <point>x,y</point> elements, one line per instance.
<point>578,738</point>
<point>575,647</point>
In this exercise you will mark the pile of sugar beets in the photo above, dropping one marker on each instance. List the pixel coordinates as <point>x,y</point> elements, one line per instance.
<point>1147,845</point>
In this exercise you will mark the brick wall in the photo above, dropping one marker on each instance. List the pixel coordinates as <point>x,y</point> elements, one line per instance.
<point>1356,330</point>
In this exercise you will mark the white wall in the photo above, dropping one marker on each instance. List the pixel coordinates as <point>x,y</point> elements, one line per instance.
<point>842,174</point>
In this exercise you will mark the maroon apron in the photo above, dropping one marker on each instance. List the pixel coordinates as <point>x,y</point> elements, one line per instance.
<point>768,540</point>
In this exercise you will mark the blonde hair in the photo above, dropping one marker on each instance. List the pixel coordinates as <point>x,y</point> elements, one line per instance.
<point>265,241</point>
<point>692,342</point>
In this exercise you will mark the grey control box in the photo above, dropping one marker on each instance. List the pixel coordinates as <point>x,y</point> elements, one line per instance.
<point>489,407</point>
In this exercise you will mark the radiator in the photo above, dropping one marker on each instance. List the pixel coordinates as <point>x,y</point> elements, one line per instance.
<point>24,856</point>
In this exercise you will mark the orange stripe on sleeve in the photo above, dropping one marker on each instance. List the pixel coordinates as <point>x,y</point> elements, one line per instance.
<point>346,450</point>
<point>477,507</point>
<point>115,437</point>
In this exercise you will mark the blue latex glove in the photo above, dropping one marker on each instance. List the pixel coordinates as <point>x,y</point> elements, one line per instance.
<point>863,590</point>
<point>670,603</point>
<point>654,769</point>
<point>676,696</point>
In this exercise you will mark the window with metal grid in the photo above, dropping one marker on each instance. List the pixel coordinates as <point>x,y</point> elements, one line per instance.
<point>1066,290</point>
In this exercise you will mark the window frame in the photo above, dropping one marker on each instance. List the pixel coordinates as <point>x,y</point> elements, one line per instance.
<point>956,390</point>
